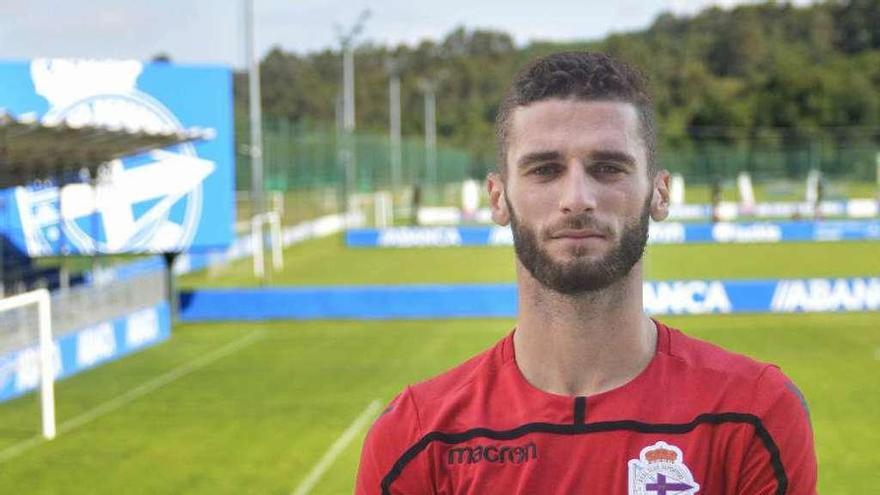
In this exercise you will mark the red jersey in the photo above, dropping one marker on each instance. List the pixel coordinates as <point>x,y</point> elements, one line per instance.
<point>697,420</point>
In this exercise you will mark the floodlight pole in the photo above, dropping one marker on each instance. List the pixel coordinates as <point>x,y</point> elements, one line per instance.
<point>394,127</point>
<point>348,120</point>
<point>348,106</point>
<point>256,117</point>
<point>428,86</point>
<point>348,85</point>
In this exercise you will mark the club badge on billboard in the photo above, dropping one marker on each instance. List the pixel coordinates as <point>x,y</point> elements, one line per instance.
<point>152,202</point>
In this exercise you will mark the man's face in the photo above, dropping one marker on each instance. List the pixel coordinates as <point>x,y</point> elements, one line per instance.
<point>577,192</point>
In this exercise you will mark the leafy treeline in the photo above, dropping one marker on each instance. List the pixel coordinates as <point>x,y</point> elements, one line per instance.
<point>719,75</point>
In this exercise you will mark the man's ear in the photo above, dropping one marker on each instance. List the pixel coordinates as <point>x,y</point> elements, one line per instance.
<point>660,198</point>
<point>497,201</point>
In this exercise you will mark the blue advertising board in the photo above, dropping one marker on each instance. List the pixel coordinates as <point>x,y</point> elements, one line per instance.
<point>85,348</point>
<point>499,300</point>
<point>179,198</point>
<point>660,233</point>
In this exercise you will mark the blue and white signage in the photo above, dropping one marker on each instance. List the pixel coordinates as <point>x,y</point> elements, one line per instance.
<point>86,348</point>
<point>660,233</point>
<point>175,199</point>
<point>676,297</point>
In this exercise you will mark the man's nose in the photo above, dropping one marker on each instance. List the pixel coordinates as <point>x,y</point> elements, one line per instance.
<point>578,191</point>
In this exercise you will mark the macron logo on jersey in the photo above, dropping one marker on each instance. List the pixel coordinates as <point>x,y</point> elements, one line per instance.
<point>493,454</point>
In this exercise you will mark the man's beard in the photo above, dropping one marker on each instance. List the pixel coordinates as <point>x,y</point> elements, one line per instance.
<point>580,275</point>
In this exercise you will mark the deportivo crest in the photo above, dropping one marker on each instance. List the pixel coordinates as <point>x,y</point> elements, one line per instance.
<point>660,470</point>
<point>151,202</point>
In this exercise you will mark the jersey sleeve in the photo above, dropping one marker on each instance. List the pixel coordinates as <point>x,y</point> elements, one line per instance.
<point>781,457</point>
<point>394,432</point>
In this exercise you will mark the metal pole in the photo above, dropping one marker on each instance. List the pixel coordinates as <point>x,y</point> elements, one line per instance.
<point>430,134</point>
<point>878,174</point>
<point>348,154</point>
<point>394,114</point>
<point>256,144</point>
<point>338,113</point>
<point>63,272</point>
<point>347,151</point>
<point>342,171</point>
<point>348,85</point>
<point>2,254</point>
<point>171,285</point>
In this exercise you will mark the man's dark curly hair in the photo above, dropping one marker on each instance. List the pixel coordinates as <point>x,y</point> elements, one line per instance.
<point>581,76</point>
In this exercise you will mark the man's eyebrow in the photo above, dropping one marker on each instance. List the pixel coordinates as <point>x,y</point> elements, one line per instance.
<point>612,156</point>
<point>536,157</point>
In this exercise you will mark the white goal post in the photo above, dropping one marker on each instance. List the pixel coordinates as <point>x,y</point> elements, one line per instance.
<point>383,207</point>
<point>258,221</point>
<point>42,299</point>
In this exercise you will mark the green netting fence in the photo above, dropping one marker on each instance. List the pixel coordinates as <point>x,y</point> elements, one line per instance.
<point>299,156</point>
<point>296,158</point>
<point>303,165</point>
<point>849,154</point>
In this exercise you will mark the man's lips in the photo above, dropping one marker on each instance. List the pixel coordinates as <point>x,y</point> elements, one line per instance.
<point>578,234</point>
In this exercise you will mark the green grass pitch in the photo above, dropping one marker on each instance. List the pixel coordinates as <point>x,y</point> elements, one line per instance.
<point>259,414</point>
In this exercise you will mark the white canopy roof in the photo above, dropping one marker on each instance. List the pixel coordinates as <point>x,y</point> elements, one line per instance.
<point>31,150</point>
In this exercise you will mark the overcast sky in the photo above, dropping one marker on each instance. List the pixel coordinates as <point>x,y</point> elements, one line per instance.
<point>212,30</point>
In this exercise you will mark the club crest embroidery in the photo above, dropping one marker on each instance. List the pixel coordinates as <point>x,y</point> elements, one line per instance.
<point>660,470</point>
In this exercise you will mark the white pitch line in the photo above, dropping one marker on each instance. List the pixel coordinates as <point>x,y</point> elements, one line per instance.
<point>20,447</point>
<point>338,446</point>
<point>133,394</point>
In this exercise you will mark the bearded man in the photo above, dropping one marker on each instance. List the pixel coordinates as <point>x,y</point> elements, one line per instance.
<point>588,394</point>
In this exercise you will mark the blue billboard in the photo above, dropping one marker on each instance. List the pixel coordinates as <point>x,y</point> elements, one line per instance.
<point>178,198</point>
<point>85,348</point>
<point>660,233</point>
<point>672,297</point>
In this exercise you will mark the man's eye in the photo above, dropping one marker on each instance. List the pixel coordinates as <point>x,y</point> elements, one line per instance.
<point>545,170</point>
<point>608,168</point>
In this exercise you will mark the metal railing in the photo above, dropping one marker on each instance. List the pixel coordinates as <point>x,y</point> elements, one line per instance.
<point>81,307</point>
